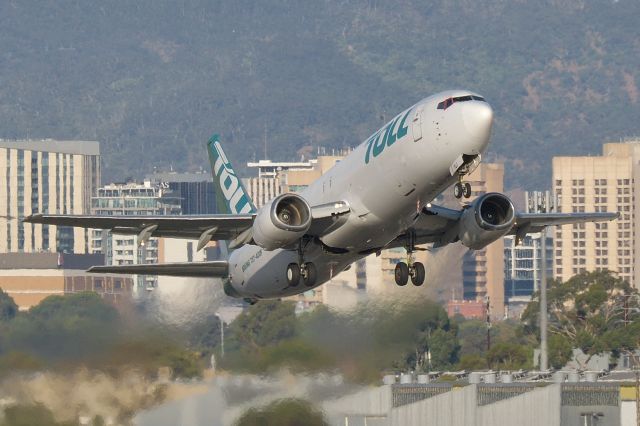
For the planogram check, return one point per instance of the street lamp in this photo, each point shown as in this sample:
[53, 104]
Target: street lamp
[221, 335]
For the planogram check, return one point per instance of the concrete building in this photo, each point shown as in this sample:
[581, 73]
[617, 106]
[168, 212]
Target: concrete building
[275, 178]
[483, 270]
[46, 176]
[31, 277]
[131, 199]
[495, 400]
[601, 184]
[470, 309]
[196, 191]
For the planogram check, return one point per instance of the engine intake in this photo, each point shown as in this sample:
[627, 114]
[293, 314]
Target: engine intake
[281, 222]
[488, 218]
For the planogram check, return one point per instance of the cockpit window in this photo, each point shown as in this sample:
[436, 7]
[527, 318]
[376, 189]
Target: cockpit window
[450, 101]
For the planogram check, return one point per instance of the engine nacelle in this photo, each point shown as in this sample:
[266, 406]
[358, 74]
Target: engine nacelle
[488, 218]
[281, 222]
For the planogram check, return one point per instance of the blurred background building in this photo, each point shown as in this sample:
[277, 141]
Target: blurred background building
[31, 277]
[195, 191]
[601, 184]
[131, 199]
[46, 176]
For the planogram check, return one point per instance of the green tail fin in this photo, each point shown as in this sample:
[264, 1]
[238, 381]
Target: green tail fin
[231, 195]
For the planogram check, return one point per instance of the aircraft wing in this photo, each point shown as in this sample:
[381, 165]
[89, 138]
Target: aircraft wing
[233, 227]
[217, 268]
[205, 228]
[534, 222]
[439, 225]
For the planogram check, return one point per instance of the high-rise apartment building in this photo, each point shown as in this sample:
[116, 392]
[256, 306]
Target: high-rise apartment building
[196, 191]
[131, 199]
[483, 270]
[46, 176]
[598, 184]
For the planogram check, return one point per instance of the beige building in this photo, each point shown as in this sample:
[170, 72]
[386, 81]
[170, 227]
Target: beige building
[483, 270]
[598, 184]
[275, 178]
[46, 176]
[29, 278]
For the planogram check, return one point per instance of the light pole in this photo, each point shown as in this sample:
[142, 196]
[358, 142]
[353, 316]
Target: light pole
[221, 335]
[544, 360]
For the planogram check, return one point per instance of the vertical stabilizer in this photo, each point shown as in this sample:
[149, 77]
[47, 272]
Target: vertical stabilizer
[231, 195]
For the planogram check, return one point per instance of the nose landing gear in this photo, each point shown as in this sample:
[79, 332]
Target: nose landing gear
[410, 269]
[463, 166]
[305, 270]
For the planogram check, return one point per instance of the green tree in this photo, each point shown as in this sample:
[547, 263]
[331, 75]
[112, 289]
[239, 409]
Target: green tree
[472, 335]
[593, 311]
[284, 412]
[472, 362]
[71, 326]
[205, 335]
[31, 415]
[508, 356]
[560, 351]
[264, 324]
[8, 307]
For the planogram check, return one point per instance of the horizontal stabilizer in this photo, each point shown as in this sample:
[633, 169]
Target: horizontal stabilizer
[212, 269]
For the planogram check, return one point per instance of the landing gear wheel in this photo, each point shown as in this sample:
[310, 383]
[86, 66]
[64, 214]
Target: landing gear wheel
[417, 278]
[458, 190]
[293, 274]
[402, 274]
[466, 190]
[310, 274]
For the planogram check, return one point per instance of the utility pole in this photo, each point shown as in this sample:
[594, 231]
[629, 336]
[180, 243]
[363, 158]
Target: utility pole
[221, 335]
[544, 360]
[637, 396]
[488, 325]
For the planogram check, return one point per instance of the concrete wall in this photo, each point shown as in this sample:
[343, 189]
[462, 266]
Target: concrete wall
[628, 413]
[540, 406]
[454, 408]
[373, 402]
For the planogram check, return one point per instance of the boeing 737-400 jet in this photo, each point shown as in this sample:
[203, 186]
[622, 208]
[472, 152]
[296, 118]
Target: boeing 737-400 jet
[376, 198]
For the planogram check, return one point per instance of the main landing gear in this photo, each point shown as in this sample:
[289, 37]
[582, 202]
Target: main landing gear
[410, 269]
[462, 189]
[305, 270]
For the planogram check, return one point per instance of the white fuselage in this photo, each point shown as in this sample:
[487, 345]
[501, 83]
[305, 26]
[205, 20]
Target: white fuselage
[386, 181]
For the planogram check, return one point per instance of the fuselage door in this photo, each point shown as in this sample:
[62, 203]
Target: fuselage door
[416, 125]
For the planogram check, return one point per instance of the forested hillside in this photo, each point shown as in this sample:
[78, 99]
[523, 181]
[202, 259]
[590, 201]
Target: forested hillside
[152, 79]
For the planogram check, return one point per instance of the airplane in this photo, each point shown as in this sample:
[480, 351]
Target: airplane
[378, 197]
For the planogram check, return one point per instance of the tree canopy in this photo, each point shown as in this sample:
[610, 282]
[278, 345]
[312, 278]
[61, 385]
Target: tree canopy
[593, 311]
[8, 307]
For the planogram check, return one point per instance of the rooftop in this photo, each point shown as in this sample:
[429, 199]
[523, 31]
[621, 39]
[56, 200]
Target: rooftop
[51, 145]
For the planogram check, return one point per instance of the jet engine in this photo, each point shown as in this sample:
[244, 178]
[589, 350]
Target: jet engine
[488, 218]
[281, 222]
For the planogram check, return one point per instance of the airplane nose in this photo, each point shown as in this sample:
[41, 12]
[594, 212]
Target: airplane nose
[478, 119]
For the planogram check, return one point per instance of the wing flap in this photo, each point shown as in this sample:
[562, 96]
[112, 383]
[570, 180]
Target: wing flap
[211, 269]
[534, 222]
[216, 227]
